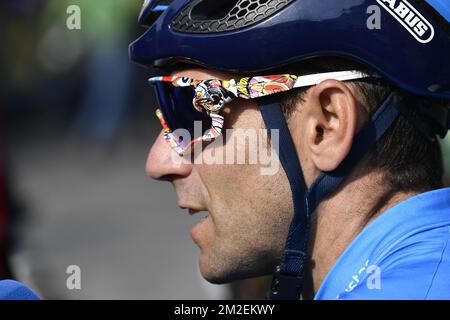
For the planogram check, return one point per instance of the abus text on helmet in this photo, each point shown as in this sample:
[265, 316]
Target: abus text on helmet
[410, 18]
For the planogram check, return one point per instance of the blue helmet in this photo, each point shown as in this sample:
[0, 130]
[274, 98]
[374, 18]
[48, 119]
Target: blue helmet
[405, 41]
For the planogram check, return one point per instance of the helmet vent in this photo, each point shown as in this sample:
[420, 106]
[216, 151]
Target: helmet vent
[212, 16]
[212, 9]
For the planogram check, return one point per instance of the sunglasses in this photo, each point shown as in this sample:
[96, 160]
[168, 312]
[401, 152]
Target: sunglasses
[187, 104]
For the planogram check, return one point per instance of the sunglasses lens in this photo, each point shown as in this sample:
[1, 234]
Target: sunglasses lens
[178, 109]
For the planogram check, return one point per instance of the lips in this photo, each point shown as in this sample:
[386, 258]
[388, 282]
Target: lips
[192, 211]
[199, 233]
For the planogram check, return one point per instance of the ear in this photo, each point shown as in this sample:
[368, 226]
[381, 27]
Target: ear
[331, 123]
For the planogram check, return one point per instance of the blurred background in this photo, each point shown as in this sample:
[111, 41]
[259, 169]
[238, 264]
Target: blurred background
[76, 123]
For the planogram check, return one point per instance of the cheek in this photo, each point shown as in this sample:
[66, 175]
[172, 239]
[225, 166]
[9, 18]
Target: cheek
[240, 196]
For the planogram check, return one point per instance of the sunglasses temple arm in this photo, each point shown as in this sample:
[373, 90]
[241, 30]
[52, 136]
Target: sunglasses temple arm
[314, 79]
[305, 81]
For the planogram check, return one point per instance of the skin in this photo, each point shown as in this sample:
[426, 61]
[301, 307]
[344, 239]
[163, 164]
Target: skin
[250, 213]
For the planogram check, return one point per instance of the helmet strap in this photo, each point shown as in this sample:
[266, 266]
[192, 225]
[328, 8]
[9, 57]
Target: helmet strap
[287, 283]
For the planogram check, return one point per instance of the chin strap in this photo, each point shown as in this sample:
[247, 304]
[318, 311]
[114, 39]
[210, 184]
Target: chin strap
[287, 283]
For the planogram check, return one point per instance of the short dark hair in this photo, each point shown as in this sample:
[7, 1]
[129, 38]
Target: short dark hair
[410, 160]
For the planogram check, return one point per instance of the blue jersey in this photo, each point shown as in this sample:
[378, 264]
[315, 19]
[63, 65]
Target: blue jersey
[403, 254]
[14, 290]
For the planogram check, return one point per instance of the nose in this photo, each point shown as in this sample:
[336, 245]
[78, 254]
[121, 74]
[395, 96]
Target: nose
[163, 162]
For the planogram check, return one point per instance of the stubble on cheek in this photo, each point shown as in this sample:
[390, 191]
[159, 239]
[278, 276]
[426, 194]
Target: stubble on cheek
[250, 217]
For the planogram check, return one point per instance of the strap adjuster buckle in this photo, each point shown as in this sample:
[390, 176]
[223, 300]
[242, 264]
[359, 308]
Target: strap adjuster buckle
[284, 286]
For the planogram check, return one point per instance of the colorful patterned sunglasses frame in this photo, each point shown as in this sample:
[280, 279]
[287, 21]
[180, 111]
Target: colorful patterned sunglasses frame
[211, 95]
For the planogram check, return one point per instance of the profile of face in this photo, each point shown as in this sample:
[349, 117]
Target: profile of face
[250, 213]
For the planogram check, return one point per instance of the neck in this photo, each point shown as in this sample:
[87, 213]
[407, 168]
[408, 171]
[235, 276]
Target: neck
[340, 218]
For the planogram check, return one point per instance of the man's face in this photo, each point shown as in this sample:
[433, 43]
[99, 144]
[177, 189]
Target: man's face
[249, 213]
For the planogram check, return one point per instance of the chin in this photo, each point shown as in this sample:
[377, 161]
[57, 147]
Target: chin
[222, 273]
[211, 273]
